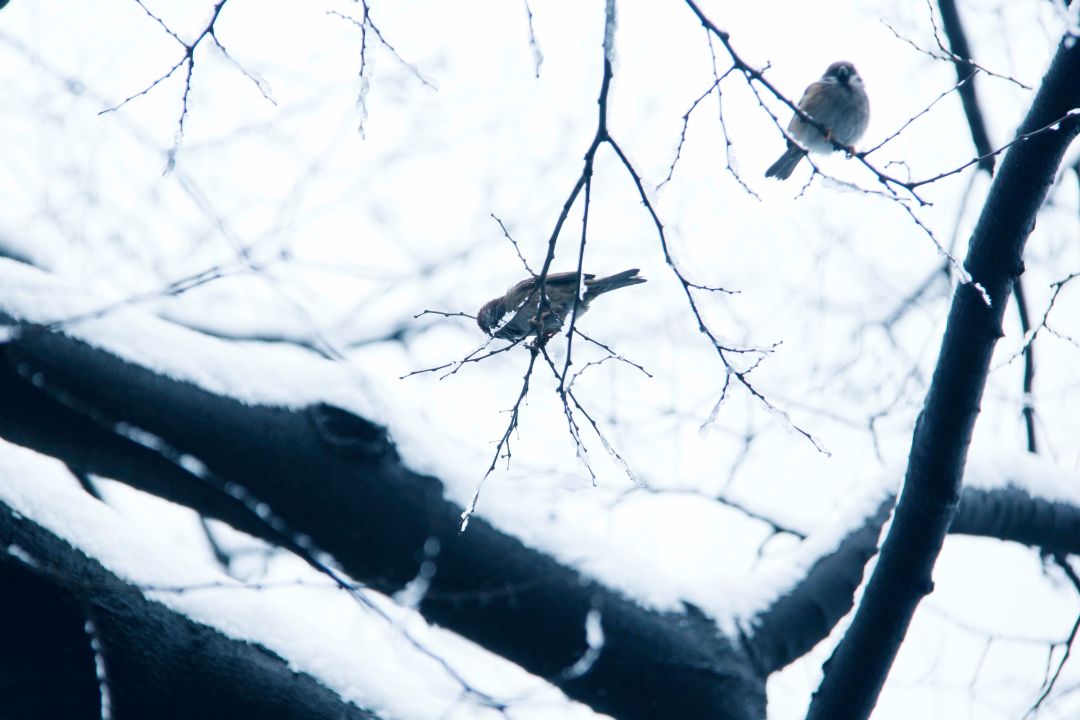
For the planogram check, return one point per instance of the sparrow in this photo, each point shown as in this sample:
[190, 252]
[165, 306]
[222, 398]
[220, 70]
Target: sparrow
[837, 101]
[523, 302]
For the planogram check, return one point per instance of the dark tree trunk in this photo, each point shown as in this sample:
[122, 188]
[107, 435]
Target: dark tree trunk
[857, 670]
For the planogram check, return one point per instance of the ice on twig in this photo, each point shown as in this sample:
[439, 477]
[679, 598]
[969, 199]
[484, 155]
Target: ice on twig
[609, 31]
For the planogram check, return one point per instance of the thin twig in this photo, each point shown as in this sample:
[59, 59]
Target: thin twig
[187, 61]
[1048, 685]
[611, 353]
[513, 242]
[948, 56]
[918, 115]
[538, 56]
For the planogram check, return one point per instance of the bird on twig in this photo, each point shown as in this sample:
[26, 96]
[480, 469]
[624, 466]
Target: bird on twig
[838, 102]
[520, 313]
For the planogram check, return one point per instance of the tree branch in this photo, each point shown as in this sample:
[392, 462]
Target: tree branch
[156, 662]
[374, 516]
[1029, 365]
[856, 672]
[807, 614]
[965, 70]
[803, 617]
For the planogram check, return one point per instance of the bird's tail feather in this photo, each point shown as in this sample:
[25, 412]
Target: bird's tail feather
[782, 168]
[612, 282]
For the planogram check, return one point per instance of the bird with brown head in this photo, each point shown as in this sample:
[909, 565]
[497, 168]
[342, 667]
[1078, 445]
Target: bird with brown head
[520, 313]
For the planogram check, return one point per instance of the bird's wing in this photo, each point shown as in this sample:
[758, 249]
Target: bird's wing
[563, 279]
[521, 289]
[557, 280]
[522, 299]
[815, 97]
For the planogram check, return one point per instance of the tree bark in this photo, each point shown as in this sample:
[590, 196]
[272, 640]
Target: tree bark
[156, 663]
[1013, 514]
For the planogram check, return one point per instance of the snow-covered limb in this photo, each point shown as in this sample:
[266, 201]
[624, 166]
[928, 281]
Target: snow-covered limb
[337, 478]
[160, 663]
[819, 595]
[1013, 513]
[375, 516]
[1016, 497]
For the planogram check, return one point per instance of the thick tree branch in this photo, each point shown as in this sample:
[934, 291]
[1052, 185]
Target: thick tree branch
[154, 662]
[965, 73]
[858, 668]
[800, 619]
[803, 617]
[337, 478]
[1012, 513]
[375, 516]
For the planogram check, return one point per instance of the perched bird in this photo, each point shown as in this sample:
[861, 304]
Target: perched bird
[514, 315]
[836, 101]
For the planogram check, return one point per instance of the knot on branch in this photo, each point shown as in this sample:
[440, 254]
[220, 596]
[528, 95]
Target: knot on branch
[350, 434]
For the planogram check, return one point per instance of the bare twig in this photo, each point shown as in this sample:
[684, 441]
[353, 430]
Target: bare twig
[1048, 684]
[173, 289]
[565, 392]
[443, 313]
[947, 55]
[472, 357]
[504, 442]
[1021, 137]
[685, 125]
[1033, 333]
[366, 24]
[513, 242]
[729, 147]
[919, 114]
[577, 295]
[611, 353]
[965, 69]
[722, 350]
[187, 62]
[538, 56]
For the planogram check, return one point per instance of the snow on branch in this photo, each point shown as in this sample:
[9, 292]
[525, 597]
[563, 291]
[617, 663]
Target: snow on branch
[135, 651]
